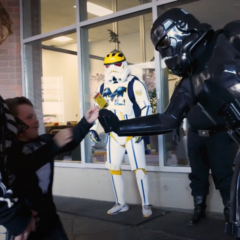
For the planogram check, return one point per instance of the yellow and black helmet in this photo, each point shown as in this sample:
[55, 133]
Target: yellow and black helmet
[114, 58]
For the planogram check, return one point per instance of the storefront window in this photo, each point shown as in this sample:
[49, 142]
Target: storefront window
[130, 37]
[52, 85]
[40, 16]
[51, 65]
[175, 151]
[97, 8]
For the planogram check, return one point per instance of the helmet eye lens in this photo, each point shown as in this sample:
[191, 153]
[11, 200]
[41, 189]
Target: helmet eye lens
[164, 43]
[118, 64]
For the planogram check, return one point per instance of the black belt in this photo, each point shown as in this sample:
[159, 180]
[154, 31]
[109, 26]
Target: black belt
[210, 132]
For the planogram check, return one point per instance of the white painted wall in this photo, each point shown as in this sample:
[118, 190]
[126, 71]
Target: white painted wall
[170, 190]
[64, 65]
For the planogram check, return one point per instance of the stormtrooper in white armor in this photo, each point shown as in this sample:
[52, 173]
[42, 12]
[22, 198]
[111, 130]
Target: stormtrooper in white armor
[128, 98]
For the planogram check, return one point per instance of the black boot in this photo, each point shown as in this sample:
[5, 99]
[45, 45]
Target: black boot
[199, 210]
[226, 210]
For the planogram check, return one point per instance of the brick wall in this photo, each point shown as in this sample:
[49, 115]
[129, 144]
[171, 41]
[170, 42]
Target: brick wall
[10, 55]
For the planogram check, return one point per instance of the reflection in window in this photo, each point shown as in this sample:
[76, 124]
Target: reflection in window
[97, 8]
[128, 36]
[52, 85]
[40, 16]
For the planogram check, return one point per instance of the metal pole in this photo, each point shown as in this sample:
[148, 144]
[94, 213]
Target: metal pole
[142, 38]
[115, 24]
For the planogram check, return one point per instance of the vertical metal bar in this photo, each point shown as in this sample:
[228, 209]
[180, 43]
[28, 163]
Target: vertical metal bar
[142, 38]
[80, 78]
[26, 52]
[81, 8]
[25, 14]
[158, 65]
[22, 48]
[115, 24]
[159, 92]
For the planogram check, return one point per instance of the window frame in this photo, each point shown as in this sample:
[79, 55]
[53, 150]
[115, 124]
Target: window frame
[78, 27]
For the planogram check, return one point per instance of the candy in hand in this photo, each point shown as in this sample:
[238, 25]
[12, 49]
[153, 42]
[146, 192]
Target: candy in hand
[99, 99]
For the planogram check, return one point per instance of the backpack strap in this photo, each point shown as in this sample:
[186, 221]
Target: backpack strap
[131, 95]
[137, 112]
[130, 89]
[101, 88]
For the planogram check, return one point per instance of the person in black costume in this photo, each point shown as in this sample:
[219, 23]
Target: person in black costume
[215, 152]
[209, 64]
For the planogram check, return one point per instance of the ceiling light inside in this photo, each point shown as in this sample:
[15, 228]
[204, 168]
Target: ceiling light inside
[62, 39]
[97, 10]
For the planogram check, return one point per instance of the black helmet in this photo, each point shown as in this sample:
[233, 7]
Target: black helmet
[175, 34]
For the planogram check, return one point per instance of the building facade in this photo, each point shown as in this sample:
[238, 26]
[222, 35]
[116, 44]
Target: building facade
[55, 58]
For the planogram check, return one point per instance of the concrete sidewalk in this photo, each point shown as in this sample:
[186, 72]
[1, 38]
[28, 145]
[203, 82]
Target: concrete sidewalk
[83, 228]
[85, 219]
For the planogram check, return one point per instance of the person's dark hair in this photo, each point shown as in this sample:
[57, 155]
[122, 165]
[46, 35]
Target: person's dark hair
[13, 103]
[5, 24]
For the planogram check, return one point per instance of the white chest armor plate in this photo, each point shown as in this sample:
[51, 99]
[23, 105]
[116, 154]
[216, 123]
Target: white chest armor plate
[118, 100]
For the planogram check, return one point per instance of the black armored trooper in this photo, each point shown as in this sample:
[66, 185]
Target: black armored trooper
[208, 94]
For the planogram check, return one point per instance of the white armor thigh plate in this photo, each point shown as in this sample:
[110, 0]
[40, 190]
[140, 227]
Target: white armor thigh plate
[136, 154]
[115, 152]
[120, 140]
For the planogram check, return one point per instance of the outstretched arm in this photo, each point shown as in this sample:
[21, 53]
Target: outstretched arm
[64, 141]
[95, 124]
[81, 129]
[180, 103]
[93, 130]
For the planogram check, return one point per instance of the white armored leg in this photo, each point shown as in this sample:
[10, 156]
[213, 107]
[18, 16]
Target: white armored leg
[115, 154]
[142, 181]
[118, 186]
[136, 153]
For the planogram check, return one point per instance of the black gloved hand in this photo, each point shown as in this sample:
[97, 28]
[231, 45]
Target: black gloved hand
[108, 120]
